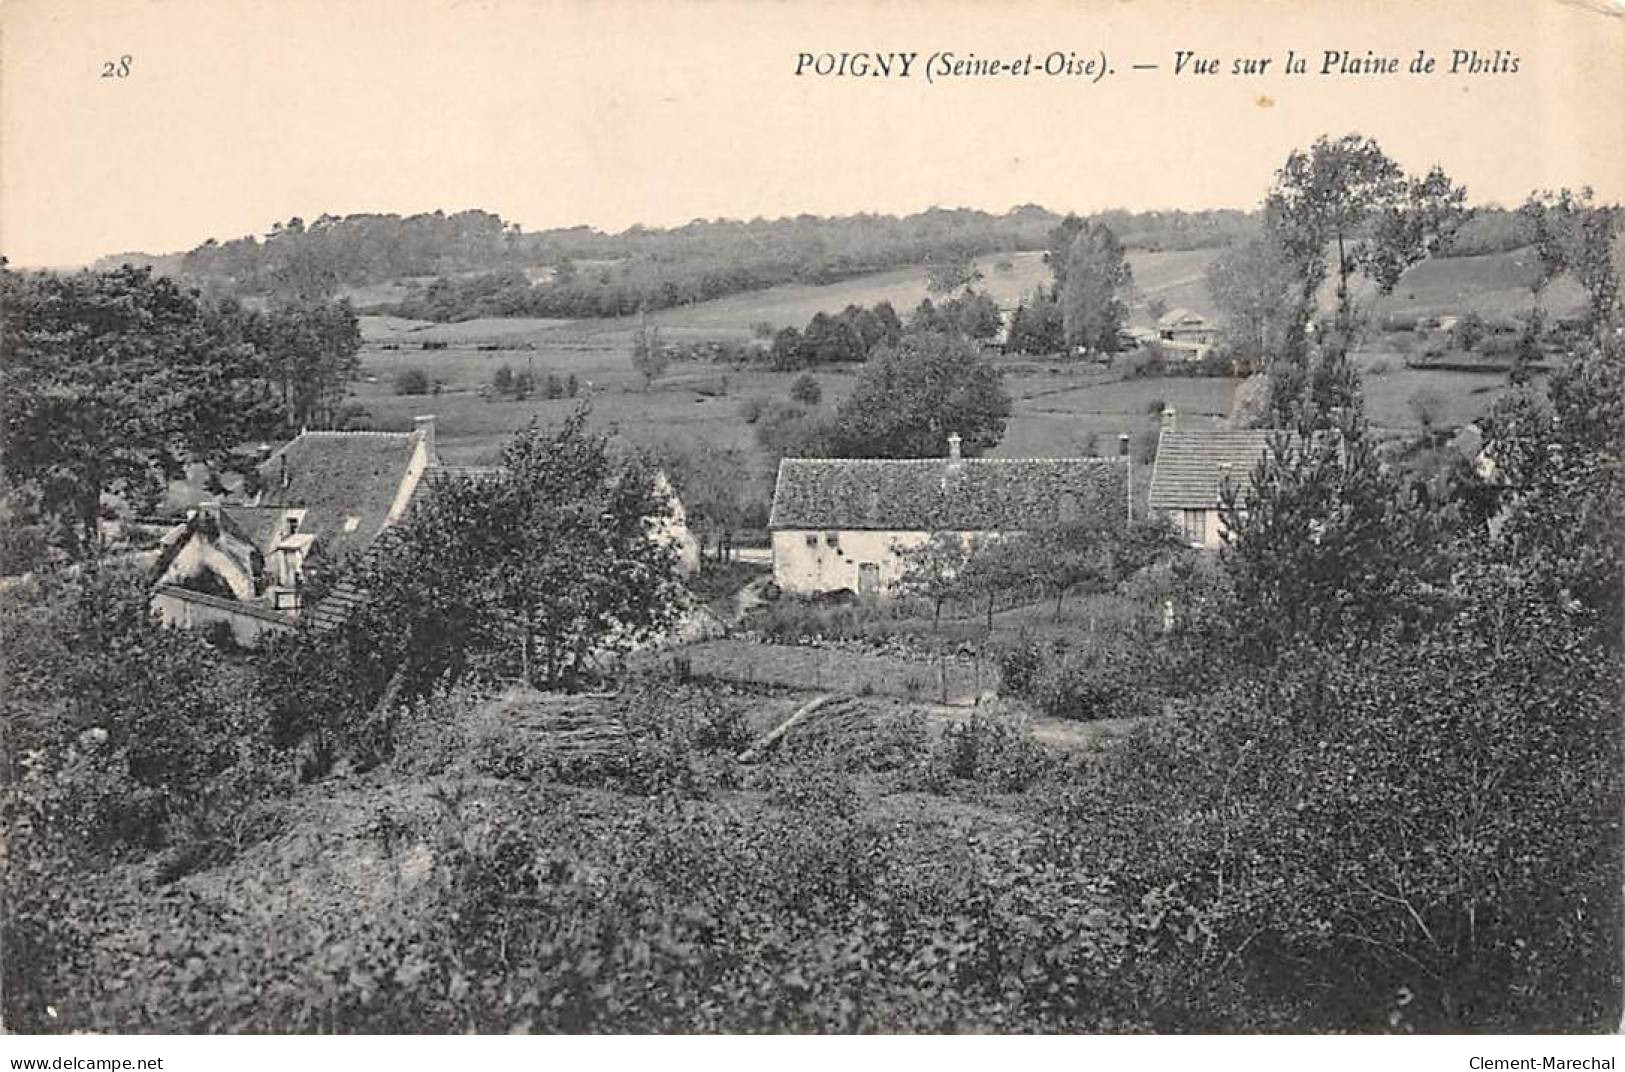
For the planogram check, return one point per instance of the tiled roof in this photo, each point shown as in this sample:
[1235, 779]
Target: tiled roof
[1191, 466]
[335, 609]
[336, 476]
[258, 525]
[934, 495]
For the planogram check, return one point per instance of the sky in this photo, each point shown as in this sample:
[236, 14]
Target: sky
[238, 113]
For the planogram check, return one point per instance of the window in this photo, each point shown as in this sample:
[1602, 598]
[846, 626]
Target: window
[1193, 525]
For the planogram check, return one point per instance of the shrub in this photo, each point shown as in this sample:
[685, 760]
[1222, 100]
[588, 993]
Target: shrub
[1107, 683]
[1019, 665]
[412, 381]
[992, 747]
[751, 408]
[805, 389]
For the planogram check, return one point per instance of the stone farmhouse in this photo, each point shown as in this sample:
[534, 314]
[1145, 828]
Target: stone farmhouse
[1191, 471]
[322, 495]
[843, 523]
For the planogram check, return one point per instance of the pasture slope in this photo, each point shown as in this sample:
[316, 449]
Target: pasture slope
[1059, 409]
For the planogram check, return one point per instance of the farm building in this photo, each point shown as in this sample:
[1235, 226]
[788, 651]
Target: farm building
[1182, 325]
[324, 494]
[1191, 471]
[843, 523]
[1185, 335]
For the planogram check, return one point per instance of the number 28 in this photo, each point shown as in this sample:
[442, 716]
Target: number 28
[119, 68]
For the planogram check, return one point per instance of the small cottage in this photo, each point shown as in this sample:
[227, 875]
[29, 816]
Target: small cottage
[843, 523]
[324, 494]
[1192, 469]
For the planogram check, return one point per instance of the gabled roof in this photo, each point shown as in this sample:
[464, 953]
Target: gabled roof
[936, 495]
[1191, 467]
[336, 476]
[1174, 318]
[258, 525]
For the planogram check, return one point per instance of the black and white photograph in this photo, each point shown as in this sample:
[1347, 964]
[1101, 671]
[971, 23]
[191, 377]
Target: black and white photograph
[1084, 518]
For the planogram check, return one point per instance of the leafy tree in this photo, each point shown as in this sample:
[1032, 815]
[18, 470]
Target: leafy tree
[715, 488]
[1037, 326]
[1571, 234]
[311, 348]
[830, 339]
[789, 352]
[911, 397]
[112, 382]
[1258, 295]
[973, 313]
[1058, 246]
[412, 381]
[935, 571]
[649, 355]
[998, 566]
[786, 430]
[1092, 313]
[805, 389]
[534, 570]
[1095, 554]
[1349, 195]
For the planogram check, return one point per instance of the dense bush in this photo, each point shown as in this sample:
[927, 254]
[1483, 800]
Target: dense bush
[806, 390]
[413, 381]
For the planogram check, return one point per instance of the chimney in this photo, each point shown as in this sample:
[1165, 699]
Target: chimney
[953, 447]
[1170, 419]
[1122, 445]
[424, 427]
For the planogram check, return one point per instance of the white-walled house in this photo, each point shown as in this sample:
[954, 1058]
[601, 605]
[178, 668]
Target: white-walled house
[1191, 471]
[842, 523]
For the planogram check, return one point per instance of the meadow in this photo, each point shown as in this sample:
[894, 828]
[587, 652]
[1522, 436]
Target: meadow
[1059, 408]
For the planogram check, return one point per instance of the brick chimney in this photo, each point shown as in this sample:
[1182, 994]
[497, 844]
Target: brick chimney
[424, 427]
[1170, 419]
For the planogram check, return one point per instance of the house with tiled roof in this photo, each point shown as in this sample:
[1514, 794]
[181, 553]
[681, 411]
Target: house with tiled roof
[322, 497]
[1191, 472]
[343, 599]
[324, 494]
[844, 523]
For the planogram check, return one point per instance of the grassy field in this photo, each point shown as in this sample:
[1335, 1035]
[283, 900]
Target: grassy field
[1059, 409]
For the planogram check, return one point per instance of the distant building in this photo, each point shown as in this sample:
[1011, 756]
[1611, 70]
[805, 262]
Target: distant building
[323, 495]
[1182, 325]
[843, 523]
[1186, 335]
[1191, 471]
